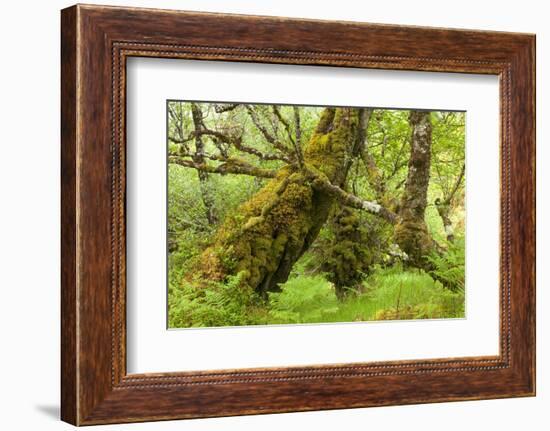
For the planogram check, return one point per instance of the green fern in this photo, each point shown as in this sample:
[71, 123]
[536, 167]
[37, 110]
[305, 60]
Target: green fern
[449, 267]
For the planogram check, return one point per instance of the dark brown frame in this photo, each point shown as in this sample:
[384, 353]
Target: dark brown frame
[95, 43]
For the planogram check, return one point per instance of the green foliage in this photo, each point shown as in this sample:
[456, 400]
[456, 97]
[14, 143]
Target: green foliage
[448, 149]
[188, 229]
[389, 144]
[449, 267]
[218, 304]
[304, 299]
[350, 255]
[412, 294]
[388, 294]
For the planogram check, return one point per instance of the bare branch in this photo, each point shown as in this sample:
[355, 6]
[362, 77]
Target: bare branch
[296, 138]
[177, 120]
[263, 156]
[221, 136]
[181, 140]
[268, 136]
[230, 166]
[225, 107]
[221, 148]
[284, 122]
[238, 144]
[218, 138]
[456, 185]
[398, 163]
[297, 127]
[184, 154]
[298, 141]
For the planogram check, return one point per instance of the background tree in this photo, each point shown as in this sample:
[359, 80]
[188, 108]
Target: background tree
[411, 232]
[449, 168]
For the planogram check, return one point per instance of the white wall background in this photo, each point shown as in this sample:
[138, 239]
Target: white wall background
[29, 215]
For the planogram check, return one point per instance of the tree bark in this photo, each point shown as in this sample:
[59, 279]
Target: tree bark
[444, 206]
[198, 158]
[444, 211]
[411, 232]
[268, 234]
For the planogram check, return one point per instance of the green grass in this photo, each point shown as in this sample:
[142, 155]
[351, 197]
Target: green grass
[388, 294]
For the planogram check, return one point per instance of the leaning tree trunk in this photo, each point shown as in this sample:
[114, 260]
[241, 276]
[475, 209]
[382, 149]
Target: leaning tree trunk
[267, 234]
[411, 233]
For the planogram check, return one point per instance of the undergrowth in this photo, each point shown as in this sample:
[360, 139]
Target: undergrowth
[387, 294]
[449, 266]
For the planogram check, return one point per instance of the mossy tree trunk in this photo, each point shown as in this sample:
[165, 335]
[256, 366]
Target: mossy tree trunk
[267, 234]
[411, 232]
[348, 255]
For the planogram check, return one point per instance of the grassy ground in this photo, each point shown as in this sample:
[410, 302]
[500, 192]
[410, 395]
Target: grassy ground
[388, 294]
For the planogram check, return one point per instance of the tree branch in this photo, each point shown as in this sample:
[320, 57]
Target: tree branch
[322, 183]
[177, 121]
[444, 207]
[181, 140]
[456, 185]
[285, 123]
[238, 144]
[297, 127]
[229, 166]
[181, 154]
[296, 143]
[268, 136]
[225, 107]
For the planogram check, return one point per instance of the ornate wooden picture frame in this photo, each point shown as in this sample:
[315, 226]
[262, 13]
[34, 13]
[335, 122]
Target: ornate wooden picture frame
[96, 41]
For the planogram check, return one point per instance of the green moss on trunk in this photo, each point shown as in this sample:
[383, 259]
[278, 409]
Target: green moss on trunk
[348, 257]
[268, 233]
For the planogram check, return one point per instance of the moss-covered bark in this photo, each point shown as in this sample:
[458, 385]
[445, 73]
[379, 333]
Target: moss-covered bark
[268, 233]
[348, 256]
[411, 233]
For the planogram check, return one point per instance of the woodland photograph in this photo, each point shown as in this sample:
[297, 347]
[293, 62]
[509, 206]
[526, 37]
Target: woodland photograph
[287, 214]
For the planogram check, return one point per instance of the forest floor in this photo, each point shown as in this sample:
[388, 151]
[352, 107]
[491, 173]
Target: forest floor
[387, 294]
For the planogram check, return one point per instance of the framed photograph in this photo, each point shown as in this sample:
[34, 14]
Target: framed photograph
[264, 215]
